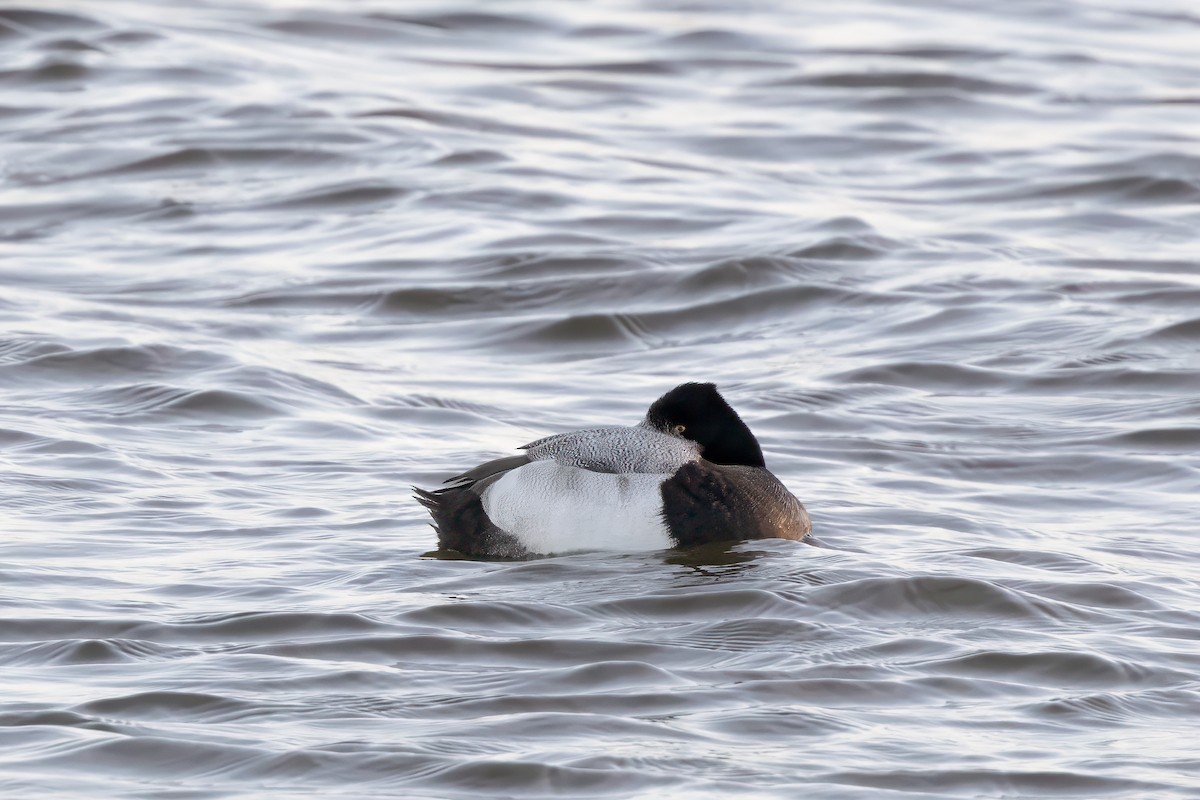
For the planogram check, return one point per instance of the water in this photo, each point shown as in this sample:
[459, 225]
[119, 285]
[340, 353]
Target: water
[268, 263]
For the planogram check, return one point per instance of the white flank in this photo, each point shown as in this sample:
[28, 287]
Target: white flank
[552, 508]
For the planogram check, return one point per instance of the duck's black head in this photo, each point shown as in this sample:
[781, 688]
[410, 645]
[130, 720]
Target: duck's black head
[697, 411]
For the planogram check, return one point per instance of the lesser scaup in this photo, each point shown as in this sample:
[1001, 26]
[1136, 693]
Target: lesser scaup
[690, 472]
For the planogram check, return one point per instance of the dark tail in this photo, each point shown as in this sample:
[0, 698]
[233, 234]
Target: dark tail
[463, 525]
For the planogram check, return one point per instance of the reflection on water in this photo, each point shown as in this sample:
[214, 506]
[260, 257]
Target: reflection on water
[717, 558]
[267, 264]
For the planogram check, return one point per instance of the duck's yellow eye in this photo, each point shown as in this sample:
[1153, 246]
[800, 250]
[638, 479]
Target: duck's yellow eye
[679, 429]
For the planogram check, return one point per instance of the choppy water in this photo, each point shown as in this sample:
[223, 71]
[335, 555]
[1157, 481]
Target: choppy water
[266, 264]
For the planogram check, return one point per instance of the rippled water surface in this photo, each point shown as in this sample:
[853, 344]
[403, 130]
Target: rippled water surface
[267, 263]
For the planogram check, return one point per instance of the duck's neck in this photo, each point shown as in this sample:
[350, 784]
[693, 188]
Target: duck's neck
[734, 444]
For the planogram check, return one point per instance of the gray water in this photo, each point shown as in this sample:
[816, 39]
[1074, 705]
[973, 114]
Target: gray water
[264, 264]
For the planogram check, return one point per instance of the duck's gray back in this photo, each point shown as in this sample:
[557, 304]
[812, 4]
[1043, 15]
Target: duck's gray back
[618, 449]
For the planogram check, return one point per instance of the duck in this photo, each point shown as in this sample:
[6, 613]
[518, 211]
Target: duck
[689, 473]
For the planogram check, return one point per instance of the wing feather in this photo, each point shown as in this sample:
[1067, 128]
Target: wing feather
[619, 450]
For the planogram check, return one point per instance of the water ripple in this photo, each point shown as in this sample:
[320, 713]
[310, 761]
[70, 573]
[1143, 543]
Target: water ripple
[266, 265]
